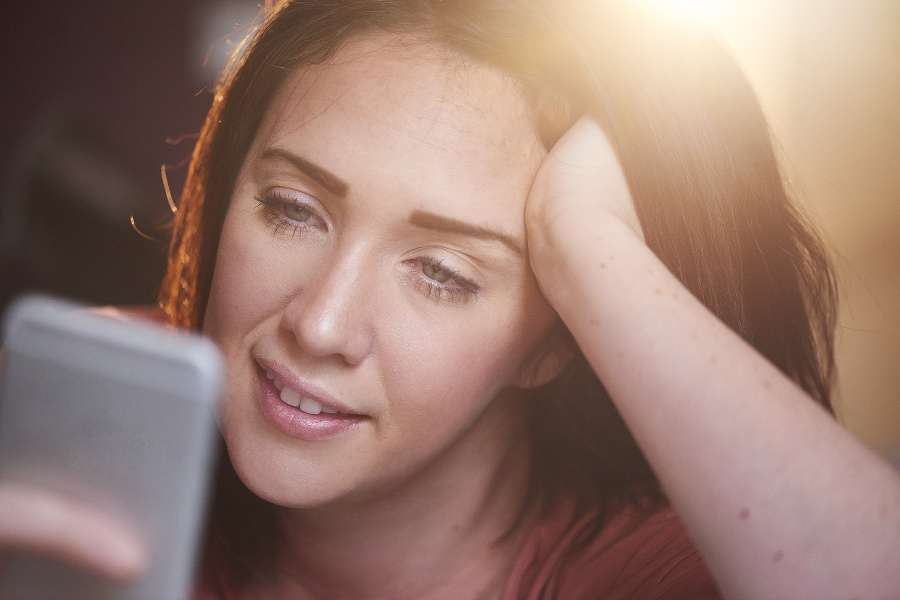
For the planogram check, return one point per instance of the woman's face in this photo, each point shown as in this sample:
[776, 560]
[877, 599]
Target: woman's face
[372, 293]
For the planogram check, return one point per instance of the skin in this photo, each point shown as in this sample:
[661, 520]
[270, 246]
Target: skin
[345, 295]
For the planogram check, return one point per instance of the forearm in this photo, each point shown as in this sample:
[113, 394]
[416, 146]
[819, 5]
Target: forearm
[781, 500]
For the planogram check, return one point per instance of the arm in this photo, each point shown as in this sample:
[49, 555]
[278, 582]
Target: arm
[780, 499]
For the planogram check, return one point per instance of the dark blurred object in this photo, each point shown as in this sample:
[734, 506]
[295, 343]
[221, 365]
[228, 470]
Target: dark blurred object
[90, 94]
[66, 213]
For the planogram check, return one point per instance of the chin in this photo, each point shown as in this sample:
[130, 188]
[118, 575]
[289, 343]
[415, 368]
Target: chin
[278, 479]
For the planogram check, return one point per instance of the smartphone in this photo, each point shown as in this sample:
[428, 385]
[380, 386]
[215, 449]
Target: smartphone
[117, 414]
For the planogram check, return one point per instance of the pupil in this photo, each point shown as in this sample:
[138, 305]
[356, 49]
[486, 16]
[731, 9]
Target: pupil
[297, 213]
[435, 272]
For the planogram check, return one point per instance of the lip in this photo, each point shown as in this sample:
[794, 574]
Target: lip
[294, 421]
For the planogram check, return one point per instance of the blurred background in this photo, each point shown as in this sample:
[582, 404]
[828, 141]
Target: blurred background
[828, 75]
[98, 96]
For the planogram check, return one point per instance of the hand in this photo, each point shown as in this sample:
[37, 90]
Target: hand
[579, 186]
[36, 521]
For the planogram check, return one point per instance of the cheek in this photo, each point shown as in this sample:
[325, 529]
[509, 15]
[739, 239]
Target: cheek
[465, 359]
[229, 312]
[242, 281]
[225, 296]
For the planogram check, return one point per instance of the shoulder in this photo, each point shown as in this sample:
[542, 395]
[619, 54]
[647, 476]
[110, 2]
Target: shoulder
[637, 554]
[215, 582]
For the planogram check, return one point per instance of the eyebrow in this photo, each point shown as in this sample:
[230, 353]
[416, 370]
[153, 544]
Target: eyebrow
[427, 220]
[328, 180]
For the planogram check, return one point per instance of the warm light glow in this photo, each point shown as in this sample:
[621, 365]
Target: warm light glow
[711, 12]
[761, 36]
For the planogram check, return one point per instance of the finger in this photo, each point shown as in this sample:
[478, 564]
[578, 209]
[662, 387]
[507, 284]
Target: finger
[38, 522]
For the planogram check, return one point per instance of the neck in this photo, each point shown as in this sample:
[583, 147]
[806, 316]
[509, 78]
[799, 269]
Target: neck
[450, 532]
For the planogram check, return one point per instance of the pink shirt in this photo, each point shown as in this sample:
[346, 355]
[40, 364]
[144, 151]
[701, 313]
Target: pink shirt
[637, 556]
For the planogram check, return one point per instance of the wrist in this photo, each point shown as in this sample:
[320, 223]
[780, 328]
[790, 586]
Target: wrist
[565, 253]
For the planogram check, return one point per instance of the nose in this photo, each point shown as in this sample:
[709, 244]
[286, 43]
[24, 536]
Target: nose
[329, 314]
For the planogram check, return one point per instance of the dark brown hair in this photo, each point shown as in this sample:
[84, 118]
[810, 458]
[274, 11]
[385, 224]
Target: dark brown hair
[693, 144]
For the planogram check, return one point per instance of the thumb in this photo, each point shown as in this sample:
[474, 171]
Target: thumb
[36, 521]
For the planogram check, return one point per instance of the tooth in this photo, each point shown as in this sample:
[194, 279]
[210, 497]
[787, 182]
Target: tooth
[289, 396]
[269, 375]
[310, 406]
[278, 384]
[329, 410]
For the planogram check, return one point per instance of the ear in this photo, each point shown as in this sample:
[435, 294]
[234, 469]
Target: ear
[552, 355]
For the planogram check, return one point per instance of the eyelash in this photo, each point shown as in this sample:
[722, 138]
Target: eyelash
[460, 289]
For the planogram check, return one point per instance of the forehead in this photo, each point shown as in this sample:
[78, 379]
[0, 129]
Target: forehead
[396, 105]
[421, 79]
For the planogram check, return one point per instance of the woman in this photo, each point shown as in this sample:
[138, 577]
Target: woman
[422, 233]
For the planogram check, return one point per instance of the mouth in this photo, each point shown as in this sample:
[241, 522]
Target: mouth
[300, 408]
[297, 393]
[294, 398]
